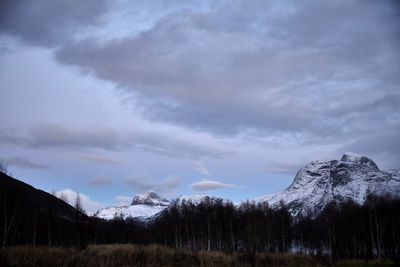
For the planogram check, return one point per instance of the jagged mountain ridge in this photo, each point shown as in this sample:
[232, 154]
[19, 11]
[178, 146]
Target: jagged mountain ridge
[150, 198]
[146, 206]
[314, 186]
[319, 182]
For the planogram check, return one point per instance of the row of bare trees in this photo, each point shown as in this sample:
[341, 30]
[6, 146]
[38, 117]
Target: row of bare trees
[342, 230]
[217, 225]
[349, 230]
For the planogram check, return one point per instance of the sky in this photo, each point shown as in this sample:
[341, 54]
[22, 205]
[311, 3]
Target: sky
[113, 98]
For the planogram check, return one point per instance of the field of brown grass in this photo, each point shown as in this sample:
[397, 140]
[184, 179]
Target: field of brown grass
[155, 255]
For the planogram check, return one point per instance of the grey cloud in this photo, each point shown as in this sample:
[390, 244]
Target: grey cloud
[9, 135]
[381, 105]
[201, 168]
[23, 162]
[57, 136]
[274, 68]
[386, 141]
[99, 159]
[101, 181]
[48, 23]
[209, 185]
[284, 168]
[143, 183]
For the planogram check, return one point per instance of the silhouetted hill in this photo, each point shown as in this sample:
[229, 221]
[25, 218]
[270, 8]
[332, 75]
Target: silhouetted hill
[26, 196]
[29, 216]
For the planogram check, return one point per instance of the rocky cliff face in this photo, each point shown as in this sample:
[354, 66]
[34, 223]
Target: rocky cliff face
[319, 182]
[150, 198]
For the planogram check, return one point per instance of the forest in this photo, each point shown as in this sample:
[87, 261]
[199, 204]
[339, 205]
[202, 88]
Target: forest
[342, 230]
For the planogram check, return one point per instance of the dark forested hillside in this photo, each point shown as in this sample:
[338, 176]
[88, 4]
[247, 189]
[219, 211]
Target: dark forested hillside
[34, 217]
[25, 196]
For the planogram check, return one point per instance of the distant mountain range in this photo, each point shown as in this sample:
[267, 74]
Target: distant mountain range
[315, 185]
[146, 206]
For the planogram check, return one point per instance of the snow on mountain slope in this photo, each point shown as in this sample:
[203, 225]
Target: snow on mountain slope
[320, 182]
[150, 198]
[110, 212]
[140, 211]
[196, 198]
[143, 207]
[148, 205]
[315, 185]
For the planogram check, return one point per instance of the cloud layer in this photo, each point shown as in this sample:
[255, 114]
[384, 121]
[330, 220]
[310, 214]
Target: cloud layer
[49, 23]
[229, 88]
[99, 159]
[259, 66]
[167, 187]
[319, 72]
[209, 185]
[101, 181]
[23, 162]
[58, 136]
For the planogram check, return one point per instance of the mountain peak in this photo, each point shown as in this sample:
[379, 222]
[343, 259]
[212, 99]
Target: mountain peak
[150, 198]
[359, 159]
[319, 182]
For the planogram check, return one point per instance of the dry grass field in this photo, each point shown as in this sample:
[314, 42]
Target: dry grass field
[156, 255]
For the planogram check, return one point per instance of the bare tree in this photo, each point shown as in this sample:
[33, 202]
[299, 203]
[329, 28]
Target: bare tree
[9, 217]
[78, 204]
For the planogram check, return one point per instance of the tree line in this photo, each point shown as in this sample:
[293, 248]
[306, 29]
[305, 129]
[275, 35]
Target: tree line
[215, 224]
[343, 229]
[348, 230]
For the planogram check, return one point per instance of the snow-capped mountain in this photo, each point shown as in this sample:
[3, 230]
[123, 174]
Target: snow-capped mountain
[146, 206]
[143, 207]
[150, 198]
[315, 185]
[320, 182]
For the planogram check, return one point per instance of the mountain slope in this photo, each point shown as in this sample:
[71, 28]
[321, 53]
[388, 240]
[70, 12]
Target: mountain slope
[146, 206]
[150, 198]
[26, 197]
[143, 207]
[197, 198]
[319, 182]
